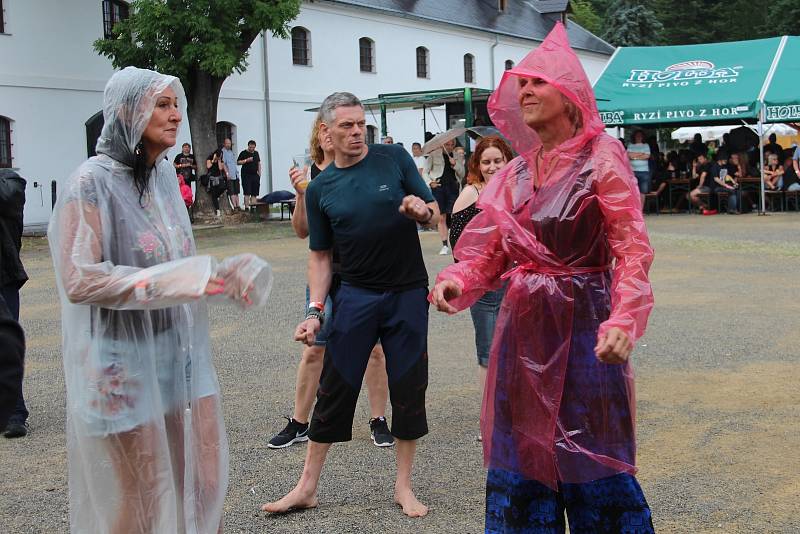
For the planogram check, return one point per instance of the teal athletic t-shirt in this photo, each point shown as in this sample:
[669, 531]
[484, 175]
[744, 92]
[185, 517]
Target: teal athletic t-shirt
[357, 207]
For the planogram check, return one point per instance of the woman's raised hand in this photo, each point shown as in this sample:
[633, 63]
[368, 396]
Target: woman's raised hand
[443, 292]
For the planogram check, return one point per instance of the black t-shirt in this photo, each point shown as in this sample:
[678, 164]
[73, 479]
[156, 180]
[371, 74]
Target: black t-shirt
[357, 207]
[336, 262]
[789, 177]
[215, 169]
[186, 172]
[705, 168]
[250, 168]
[448, 179]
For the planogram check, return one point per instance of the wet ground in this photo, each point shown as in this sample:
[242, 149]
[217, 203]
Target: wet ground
[717, 378]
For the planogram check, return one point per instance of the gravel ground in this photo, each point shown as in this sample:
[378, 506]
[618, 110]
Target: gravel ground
[717, 395]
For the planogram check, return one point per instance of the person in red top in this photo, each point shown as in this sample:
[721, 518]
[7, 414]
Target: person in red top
[562, 224]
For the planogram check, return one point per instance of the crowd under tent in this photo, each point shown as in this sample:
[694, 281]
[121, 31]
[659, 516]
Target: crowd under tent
[735, 83]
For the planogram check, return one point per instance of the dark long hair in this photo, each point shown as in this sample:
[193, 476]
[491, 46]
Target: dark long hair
[141, 172]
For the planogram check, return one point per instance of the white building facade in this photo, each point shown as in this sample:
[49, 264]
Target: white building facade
[51, 80]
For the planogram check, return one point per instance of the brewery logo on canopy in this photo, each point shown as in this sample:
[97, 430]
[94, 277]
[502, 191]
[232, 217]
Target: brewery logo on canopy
[683, 74]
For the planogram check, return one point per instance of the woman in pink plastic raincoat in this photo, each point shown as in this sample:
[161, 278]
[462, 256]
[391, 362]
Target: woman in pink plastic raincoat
[562, 224]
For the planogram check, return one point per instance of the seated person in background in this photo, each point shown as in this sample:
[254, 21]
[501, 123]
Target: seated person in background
[723, 176]
[773, 147]
[791, 182]
[701, 171]
[773, 173]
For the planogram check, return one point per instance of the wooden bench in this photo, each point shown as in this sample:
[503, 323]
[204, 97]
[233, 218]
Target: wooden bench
[263, 208]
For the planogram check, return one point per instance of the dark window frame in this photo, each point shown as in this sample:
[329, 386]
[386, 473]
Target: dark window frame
[114, 11]
[509, 64]
[6, 146]
[366, 54]
[371, 134]
[469, 68]
[423, 62]
[224, 130]
[301, 46]
[2, 18]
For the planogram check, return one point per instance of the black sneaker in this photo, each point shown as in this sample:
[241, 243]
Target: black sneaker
[16, 430]
[379, 430]
[295, 432]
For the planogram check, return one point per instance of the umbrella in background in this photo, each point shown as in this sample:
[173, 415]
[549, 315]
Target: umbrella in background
[476, 132]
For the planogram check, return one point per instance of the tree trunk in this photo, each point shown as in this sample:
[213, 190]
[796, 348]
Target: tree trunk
[202, 95]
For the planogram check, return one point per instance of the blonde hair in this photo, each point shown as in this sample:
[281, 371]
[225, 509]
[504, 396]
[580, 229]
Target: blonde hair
[315, 149]
[573, 113]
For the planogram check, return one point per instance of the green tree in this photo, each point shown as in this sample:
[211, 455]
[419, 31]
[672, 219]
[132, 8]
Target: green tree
[628, 23]
[584, 14]
[783, 18]
[202, 42]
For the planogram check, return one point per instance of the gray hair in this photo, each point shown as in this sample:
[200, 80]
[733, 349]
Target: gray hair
[336, 100]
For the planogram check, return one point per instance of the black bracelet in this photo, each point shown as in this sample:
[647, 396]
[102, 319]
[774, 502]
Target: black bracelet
[316, 314]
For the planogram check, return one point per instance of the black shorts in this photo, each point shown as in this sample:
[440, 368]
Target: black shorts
[445, 197]
[233, 187]
[251, 185]
[400, 321]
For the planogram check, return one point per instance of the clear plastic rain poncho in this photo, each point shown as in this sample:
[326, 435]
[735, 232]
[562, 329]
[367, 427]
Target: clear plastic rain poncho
[576, 256]
[145, 436]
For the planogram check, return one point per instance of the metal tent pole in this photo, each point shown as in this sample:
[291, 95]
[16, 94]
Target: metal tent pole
[763, 210]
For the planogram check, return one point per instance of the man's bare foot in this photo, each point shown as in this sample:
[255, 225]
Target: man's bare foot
[411, 506]
[297, 499]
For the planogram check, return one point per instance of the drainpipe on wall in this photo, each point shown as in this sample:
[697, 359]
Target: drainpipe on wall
[267, 125]
[491, 53]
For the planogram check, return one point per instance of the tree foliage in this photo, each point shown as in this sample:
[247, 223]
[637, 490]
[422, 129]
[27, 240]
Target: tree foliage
[180, 37]
[584, 14]
[629, 23]
[202, 42]
[704, 21]
[783, 17]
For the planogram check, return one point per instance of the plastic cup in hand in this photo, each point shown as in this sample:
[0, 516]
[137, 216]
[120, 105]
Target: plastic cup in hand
[302, 161]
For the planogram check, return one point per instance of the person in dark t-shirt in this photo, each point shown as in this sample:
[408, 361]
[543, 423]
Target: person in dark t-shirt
[251, 174]
[185, 164]
[369, 201]
[217, 183]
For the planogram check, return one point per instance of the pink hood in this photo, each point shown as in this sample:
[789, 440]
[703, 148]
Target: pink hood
[554, 62]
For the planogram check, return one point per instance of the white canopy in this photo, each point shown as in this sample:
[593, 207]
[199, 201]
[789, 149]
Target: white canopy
[714, 133]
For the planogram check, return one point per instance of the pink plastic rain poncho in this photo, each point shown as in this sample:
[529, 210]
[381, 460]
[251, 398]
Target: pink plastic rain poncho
[145, 437]
[551, 411]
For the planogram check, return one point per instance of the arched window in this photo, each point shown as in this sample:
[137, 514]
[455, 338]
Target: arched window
[372, 134]
[226, 130]
[5, 143]
[93, 128]
[422, 62]
[366, 54]
[469, 68]
[509, 64]
[301, 46]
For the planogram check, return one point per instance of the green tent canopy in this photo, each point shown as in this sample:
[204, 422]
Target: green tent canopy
[782, 99]
[689, 84]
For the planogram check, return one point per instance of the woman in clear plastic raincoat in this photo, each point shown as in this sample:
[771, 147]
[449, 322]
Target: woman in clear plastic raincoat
[145, 437]
[562, 223]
